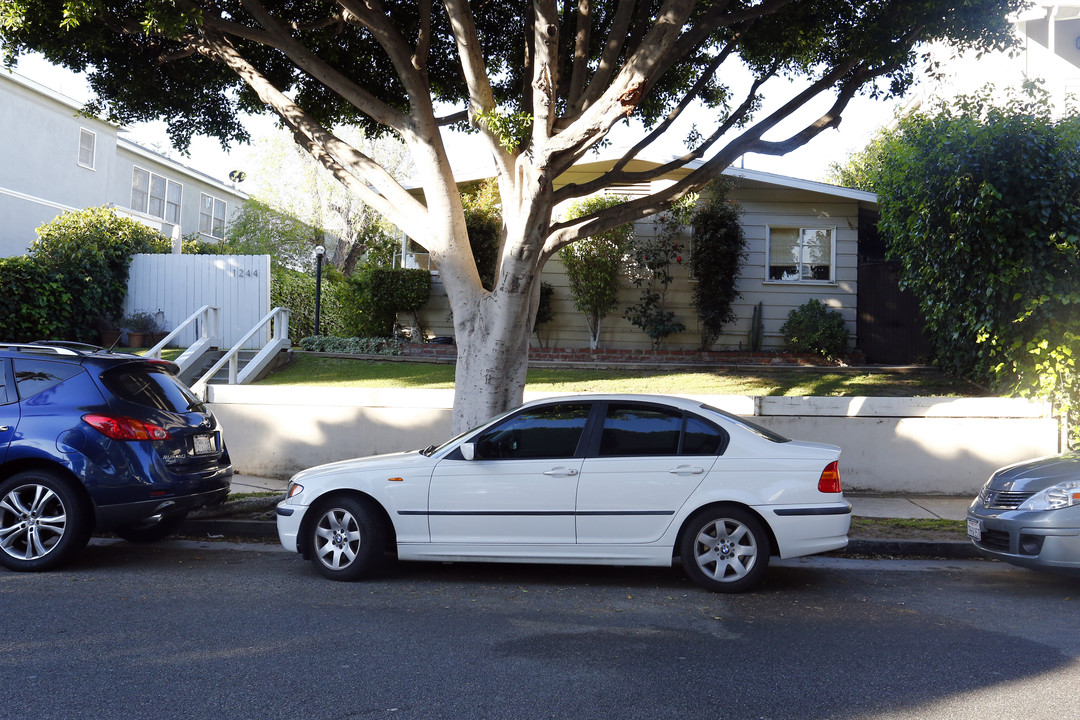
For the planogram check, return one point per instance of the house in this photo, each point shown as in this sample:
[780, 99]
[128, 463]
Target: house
[803, 242]
[54, 159]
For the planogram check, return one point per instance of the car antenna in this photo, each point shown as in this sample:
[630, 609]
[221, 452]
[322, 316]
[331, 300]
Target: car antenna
[114, 342]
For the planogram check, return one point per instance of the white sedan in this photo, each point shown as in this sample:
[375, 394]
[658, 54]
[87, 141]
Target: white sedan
[600, 479]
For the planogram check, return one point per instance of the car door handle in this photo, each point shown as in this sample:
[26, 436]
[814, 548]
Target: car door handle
[687, 470]
[4, 428]
[561, 472]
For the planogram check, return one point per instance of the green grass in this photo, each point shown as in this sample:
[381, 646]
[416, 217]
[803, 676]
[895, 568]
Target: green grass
[309, 370]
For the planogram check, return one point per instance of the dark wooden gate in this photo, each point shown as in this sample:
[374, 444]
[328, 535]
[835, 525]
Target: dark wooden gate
[890, 327]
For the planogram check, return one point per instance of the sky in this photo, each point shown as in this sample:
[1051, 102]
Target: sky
[811, 162]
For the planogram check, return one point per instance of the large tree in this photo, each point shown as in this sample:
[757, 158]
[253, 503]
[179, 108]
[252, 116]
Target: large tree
[541, 82]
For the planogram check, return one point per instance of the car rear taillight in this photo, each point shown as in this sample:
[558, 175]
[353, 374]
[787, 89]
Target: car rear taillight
[829, 482]
[125, 428]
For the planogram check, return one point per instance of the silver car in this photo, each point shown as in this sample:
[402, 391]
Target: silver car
[1029, 514]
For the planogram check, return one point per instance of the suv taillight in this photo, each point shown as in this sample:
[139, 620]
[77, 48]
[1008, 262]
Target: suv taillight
[125, 428]
[829, 482]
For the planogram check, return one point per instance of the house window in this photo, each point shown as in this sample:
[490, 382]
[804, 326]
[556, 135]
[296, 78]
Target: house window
[156, 196]
[801, 254]
[212, 216]
[87, 147]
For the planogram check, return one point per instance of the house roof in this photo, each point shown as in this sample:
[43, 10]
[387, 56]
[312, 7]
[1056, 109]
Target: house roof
[587, 170]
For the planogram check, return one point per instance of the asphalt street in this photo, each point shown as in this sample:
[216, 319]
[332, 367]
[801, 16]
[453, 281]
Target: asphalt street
[213, 630]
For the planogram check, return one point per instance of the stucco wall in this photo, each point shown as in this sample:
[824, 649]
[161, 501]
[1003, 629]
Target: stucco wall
[890, 445]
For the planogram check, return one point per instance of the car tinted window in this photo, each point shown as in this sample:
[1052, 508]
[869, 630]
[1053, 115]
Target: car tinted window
[33, 376]
[147, 385]
[701, 438]
[550, 431]
[640, 430]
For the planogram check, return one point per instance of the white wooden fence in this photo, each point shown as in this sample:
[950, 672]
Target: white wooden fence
[178, 285]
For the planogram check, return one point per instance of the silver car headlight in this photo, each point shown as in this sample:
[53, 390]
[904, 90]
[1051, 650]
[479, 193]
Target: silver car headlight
[1063, 495]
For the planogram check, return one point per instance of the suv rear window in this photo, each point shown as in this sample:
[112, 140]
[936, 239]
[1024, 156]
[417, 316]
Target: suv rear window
[33, 376]
[149, 386]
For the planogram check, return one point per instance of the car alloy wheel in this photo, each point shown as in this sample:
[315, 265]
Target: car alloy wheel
[41, 524]
[725, 549]
[347, 539]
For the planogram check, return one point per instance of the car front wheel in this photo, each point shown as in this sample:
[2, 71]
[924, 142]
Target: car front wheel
[42, 521]
[347, 538]
[725, 549]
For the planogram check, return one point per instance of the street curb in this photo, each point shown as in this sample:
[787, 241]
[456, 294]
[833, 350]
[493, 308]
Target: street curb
[951, 549]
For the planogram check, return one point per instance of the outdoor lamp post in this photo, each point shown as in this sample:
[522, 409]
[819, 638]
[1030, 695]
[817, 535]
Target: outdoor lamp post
[320, 251]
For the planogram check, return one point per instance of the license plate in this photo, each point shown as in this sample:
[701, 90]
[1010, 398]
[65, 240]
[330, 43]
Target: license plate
[205, 445]
[975, 529]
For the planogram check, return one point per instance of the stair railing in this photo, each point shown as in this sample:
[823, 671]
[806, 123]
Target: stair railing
[207, 321]
[278, 322]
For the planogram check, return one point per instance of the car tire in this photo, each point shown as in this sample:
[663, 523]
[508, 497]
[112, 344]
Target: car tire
[725, 549]
[44, 522]
[347, 538]
[152, 530]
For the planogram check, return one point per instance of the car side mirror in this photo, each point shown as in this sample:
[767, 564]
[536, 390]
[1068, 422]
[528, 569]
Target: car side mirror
[468, 450]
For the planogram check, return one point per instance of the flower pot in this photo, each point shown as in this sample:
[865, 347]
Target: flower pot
[135, 339]
[109, 338]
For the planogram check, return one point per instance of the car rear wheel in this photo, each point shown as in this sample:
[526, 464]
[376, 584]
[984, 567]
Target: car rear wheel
[152, 529]
[725, 549]
[347, 538]
[43, 521]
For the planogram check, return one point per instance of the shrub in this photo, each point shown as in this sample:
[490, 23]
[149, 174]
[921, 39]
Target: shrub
[89, 253]
[352, 345]
[814, 328]
[33, 302]
[375, 295]
[296, 291]
[719, 249]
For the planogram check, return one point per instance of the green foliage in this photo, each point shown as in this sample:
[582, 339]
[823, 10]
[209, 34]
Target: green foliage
[511, 128]
[544, 311]
[814, 328]
[862, 169]
[483, 218]
[296, 291]
[258, 229]
[352, 345]
[376, 295]
[980, 204]
[89, 253]
[649, 266]
[33, 302]
[719, 249]
[594, 265]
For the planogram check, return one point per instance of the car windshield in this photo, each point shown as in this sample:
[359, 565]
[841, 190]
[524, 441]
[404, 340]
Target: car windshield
[432, 450]
[147, 385]
[752, 427]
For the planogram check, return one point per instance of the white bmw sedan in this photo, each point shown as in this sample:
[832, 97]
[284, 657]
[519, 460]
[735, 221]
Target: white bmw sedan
[601, 479]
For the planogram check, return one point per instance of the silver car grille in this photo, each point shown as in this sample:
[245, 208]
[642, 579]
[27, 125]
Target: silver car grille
[1003, 500]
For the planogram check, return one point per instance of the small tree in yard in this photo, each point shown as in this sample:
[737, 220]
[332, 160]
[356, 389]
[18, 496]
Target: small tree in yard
[540, 83]
[594, 265]
[649, 267]
[719, 250]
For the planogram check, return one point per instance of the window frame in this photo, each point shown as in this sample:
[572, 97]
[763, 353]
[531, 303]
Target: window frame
[170, 211]
[801, 279]
[87, 133]
[600, 414]
[212, 216]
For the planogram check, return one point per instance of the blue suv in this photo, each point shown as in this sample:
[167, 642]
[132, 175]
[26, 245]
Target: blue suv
[92, 440]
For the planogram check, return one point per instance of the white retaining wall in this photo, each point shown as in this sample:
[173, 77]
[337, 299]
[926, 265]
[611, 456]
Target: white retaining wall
[890, 445]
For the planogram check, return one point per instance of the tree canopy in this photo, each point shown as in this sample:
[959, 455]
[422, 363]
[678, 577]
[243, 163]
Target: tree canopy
[541, 83]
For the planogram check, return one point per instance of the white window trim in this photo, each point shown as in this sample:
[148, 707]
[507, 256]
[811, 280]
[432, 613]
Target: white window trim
[165, 200]
[224, 219]
[93, 150]
[800, 280]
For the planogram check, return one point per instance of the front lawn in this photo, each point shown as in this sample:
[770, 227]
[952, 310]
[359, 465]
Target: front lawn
[343, 372]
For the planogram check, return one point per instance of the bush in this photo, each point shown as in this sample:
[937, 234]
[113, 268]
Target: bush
[296, 291]
[89, 253]
[375, 296]
[814, 328]
[352, 345]
[718, 254]
[33, 302]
